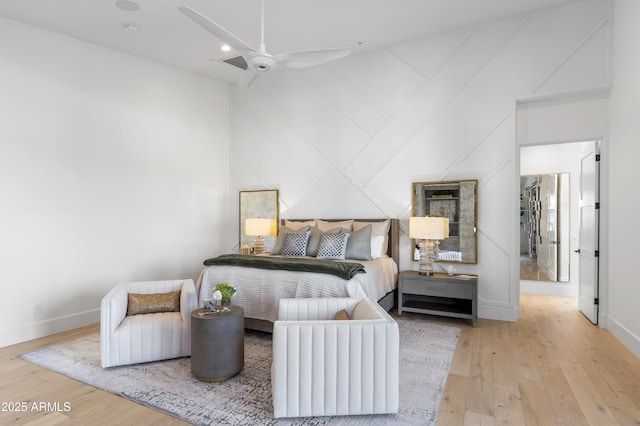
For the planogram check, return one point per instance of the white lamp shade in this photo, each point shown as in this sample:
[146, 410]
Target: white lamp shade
[429, 228]
[257, 226]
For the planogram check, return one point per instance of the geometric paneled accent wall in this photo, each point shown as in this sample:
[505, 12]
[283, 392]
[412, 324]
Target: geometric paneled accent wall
[347, 139]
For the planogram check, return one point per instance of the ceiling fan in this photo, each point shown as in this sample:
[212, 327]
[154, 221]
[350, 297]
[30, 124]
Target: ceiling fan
[256, 62]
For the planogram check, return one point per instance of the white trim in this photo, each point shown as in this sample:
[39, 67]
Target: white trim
[39, 329]
[622, 333]
[501, 313]
[548, 288]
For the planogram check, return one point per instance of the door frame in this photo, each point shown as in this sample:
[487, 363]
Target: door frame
[603, 223]
[547, 119]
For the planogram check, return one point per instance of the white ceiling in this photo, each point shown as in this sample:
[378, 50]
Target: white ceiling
[167, 36]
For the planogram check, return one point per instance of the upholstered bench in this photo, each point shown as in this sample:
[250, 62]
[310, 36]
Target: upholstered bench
[325, 367]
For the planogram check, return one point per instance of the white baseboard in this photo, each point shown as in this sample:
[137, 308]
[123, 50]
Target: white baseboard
[500, 313]
[548, 288]
[44, 328]
[622, 333]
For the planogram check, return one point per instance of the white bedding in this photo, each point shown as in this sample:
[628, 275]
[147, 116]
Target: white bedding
[450, 255]
[259, 290]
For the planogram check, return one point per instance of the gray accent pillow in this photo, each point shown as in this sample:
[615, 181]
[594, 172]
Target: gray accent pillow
[333, 246]
[282, 233]
[295, 243]
[359, 244]
[314, 241]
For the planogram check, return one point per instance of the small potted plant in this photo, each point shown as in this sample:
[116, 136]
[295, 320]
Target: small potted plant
[224, 291]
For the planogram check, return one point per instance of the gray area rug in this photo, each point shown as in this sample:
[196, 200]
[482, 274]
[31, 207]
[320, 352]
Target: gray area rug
[426, 351]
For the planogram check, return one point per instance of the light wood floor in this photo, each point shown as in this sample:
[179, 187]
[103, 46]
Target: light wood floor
[551, 367]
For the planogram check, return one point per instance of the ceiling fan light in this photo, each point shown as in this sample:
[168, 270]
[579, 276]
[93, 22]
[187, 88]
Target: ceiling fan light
[127, 5]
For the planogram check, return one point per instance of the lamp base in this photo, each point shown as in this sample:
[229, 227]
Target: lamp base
[428, 253]
[258, 245]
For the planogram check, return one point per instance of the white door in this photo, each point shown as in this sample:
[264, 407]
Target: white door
[589, 217]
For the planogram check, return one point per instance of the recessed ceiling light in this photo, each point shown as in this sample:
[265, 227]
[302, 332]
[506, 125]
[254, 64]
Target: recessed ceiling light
[127, 5]
[225, 48]
[130, 28]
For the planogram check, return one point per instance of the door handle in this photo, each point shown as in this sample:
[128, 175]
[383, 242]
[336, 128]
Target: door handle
[577, 251]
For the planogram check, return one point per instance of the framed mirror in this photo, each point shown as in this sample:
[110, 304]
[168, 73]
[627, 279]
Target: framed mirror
[258, 204]
[457, 201]
[544, 227]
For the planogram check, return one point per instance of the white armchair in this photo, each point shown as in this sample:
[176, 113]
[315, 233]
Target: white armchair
[145, 337]
[326, 367]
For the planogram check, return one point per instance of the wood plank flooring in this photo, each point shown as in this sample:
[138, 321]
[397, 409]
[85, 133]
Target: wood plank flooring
[551, 367]
[22, 384]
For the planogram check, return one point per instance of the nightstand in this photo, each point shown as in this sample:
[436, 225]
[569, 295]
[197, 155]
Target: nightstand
[439, 294]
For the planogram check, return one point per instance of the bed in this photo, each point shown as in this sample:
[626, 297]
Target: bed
[259, 290]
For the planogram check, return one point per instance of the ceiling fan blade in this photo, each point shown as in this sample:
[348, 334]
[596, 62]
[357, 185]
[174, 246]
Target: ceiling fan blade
[216, 29]
[311, 57]
[236, 61]
[247, 77]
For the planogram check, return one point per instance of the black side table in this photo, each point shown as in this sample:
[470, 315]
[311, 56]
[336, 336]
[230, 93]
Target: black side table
[217, 344]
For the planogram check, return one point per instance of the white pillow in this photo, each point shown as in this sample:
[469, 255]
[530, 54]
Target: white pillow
[378, 247]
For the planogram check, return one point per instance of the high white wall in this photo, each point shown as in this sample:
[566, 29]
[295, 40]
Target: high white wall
[348, 138]
[112, 169]
[621, 304]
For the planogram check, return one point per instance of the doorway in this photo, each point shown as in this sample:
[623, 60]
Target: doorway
[555, 128]
[538, 231]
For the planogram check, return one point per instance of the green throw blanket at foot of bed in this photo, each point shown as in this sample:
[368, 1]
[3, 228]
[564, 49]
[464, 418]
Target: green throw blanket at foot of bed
[344, 270]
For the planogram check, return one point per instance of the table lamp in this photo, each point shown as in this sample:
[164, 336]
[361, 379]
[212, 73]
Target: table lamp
[258, 228]
[429, 230]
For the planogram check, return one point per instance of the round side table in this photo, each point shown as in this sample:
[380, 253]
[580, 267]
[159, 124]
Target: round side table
[217, 344]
